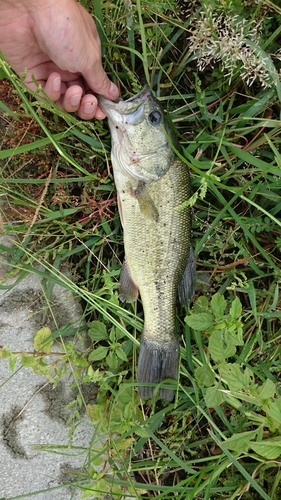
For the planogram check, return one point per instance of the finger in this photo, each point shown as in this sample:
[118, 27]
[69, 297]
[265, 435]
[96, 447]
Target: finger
[91, 66]
[79, 81]
[88, 107]
[72, 99]
[54, 86]
[45, 69]
[99, 83]
[99, 114]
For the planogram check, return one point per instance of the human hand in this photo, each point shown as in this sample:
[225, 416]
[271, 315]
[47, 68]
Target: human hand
[59, 46]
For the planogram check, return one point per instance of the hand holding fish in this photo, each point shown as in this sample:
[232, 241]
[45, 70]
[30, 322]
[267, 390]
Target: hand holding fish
[58, 45]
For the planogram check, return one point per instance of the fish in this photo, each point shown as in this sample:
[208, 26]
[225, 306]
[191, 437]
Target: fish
[152, 182]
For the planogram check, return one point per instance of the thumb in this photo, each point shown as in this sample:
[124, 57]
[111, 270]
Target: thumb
[99, 83]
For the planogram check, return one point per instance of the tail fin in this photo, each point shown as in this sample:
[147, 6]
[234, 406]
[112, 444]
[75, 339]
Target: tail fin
[156, 363]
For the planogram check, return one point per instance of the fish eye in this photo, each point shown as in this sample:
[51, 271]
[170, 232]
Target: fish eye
[155, 117]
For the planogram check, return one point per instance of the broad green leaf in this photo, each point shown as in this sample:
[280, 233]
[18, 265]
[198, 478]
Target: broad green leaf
[236, 332]
[125, 393]
[119, 334]
[221, 346]
[241, 441]
[214, 396]
[29, 360]
[249, 398]
[12, 363]
[121, 354]
[141, 431]
[204, 376]
[201, 304]
[96, 412]
[97, 331]
[269, 449]
[236, 309]
[112, 334]
[218, 305]
[5, 353]
[96, 490]
[125, 444]
[39, 341]
[236, 378]
[112, 360]
[94, 375]
[275, 410]
[97, 460]
[267, 390]
[98, 353]
[201, 321]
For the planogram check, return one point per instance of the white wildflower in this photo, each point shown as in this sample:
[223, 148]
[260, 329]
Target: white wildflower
[232, 41]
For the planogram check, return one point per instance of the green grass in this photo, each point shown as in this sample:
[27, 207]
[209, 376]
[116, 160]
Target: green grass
[221, 437]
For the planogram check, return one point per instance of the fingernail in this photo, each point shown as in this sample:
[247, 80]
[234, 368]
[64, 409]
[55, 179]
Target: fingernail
[113, 91]
[75, 99]
[88, 108]
[57, 84]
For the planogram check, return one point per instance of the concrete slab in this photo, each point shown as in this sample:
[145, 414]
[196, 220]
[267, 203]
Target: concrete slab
[31, 411]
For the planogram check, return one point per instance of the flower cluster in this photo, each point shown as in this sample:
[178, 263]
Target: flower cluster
[232, 41]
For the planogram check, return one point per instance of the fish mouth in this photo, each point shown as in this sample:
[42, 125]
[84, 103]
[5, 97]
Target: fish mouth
[140, 97]
[124, 107]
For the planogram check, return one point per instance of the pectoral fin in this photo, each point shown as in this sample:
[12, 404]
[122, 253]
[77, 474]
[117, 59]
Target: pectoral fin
[187, 283]
[128, 289]
[146, 203]
[147, 207]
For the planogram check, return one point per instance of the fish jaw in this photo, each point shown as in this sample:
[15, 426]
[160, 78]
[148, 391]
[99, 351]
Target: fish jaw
[124, 107]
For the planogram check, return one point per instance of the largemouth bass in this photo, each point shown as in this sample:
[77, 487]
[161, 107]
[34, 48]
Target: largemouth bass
[151, 182]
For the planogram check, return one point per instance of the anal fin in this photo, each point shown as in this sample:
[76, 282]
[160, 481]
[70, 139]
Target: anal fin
[186, 286]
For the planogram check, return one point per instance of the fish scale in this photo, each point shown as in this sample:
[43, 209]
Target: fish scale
[151, 183]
